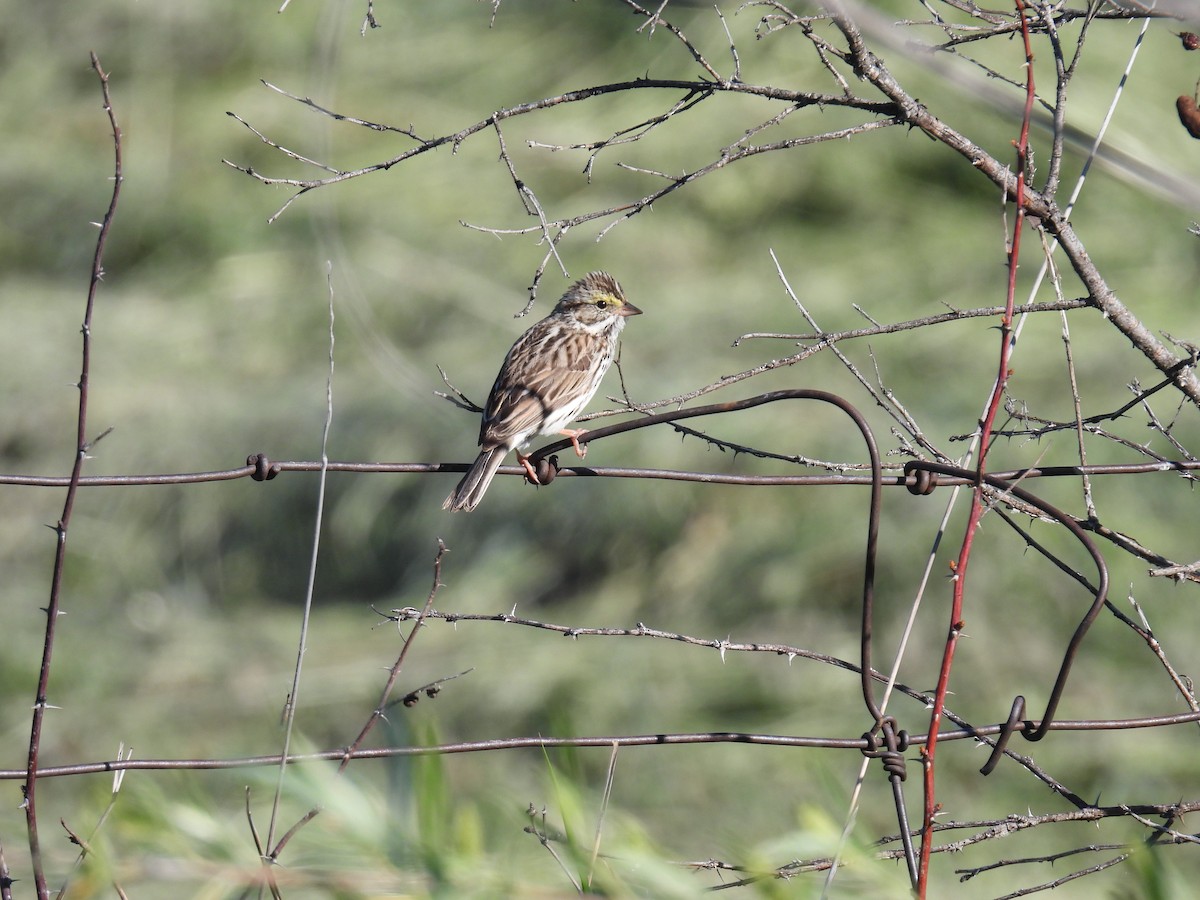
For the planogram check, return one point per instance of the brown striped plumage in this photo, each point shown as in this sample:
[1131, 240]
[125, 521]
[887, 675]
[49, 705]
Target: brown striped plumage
[548, 377]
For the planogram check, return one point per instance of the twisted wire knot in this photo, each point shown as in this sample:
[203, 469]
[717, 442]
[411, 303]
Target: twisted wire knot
[887, 744]
[546, 469]
[264, 469]
[923, 481]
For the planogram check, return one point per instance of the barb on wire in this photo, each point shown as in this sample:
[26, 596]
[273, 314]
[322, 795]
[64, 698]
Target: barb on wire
[848, 61]
[605, 742]
[262, 468]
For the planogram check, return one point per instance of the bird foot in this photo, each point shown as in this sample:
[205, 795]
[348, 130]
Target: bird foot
[530, 472]
[575, 434]
[543, 473]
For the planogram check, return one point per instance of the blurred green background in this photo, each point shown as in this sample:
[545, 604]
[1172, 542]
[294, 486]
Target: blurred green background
[210, 343]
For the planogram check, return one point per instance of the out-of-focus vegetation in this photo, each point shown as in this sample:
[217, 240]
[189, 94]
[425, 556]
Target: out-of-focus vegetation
[210, 343]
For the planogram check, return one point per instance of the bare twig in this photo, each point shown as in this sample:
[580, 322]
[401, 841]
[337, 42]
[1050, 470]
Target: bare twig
[82, 444]
[394, 673]
[292, 701]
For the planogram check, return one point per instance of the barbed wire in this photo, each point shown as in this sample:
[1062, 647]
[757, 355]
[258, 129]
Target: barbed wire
[993, 491]
[260, 467]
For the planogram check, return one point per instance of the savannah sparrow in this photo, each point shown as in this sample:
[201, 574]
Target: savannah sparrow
[547, 379]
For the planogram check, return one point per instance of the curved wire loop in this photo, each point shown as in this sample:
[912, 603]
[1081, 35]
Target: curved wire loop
[894, 741]
[1016, 721]
[537, 460]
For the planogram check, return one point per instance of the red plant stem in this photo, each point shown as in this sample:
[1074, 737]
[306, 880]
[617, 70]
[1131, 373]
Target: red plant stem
[82, 446]
[929, 751]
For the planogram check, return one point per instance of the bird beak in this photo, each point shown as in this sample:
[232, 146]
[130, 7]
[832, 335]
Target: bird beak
[628, 309]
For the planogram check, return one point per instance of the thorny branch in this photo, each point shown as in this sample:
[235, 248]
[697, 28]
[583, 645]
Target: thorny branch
[845, 52]
[82, 445]
[896, 107]
[381, 707]
[978, 505]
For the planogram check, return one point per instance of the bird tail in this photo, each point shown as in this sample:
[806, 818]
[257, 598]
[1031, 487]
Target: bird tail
[470, 490]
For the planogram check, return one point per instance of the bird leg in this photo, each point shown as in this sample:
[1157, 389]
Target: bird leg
[580, 450]
[575, 434]
[529, 471]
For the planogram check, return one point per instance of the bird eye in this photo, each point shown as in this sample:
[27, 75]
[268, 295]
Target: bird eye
[601, 304]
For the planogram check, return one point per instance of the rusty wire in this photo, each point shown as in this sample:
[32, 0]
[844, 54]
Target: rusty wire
[884, 740]
[337, 754]
[260, 467]
[1014, 723]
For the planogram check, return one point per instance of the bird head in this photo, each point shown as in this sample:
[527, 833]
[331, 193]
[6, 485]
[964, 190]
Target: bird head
[596, 298]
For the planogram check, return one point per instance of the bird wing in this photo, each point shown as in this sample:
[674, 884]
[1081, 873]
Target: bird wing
[535, 381]
[515, 412]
